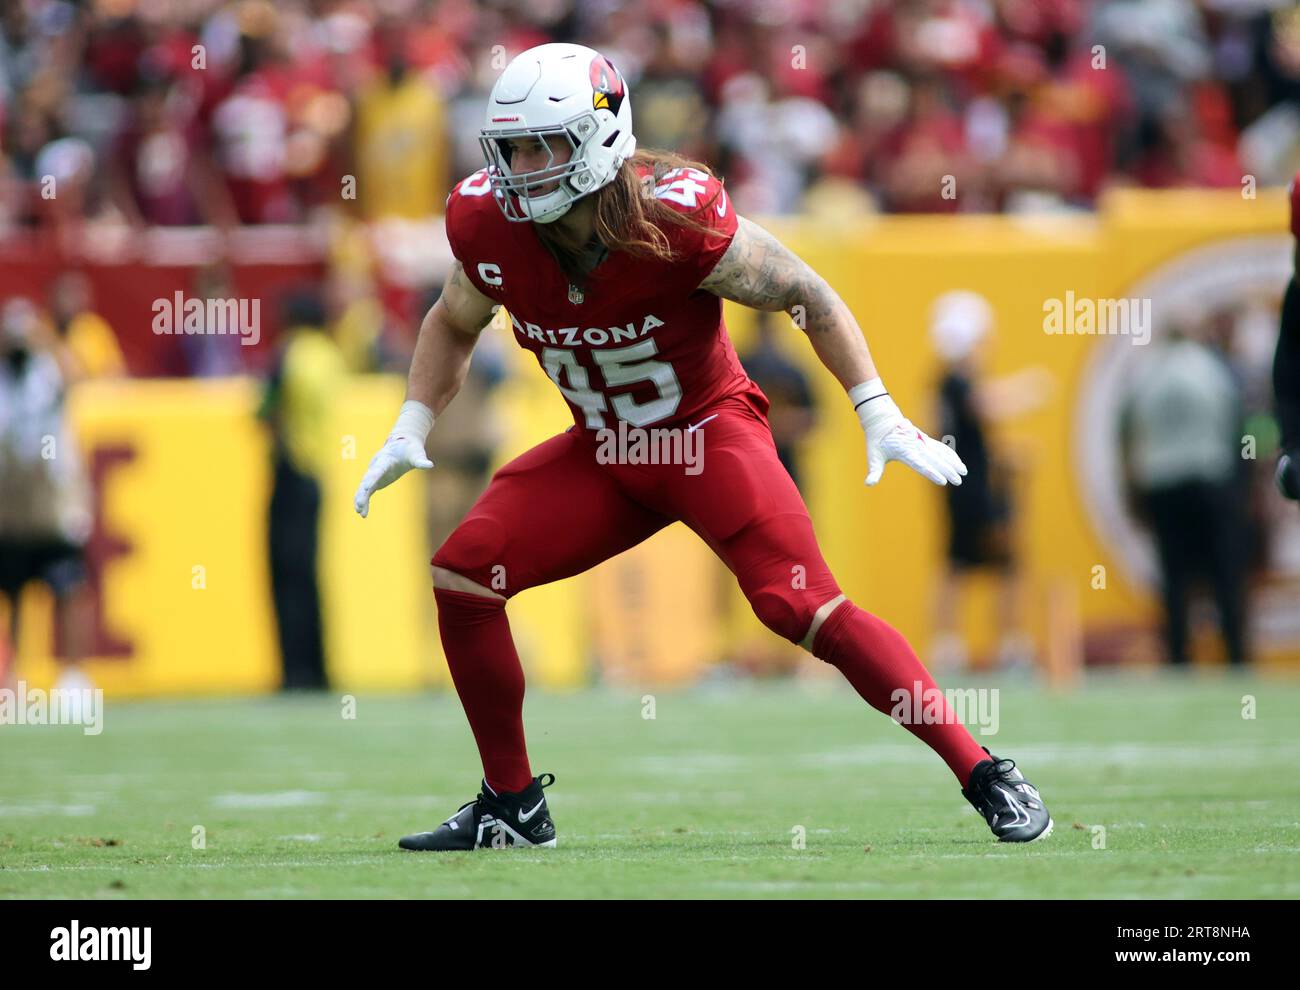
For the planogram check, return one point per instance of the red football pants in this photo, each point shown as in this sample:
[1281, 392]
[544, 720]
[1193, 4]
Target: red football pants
[555, 511]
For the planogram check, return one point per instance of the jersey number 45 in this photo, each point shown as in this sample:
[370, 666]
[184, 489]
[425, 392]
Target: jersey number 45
[619, 366]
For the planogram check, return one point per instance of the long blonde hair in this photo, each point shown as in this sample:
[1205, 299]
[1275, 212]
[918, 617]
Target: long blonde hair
[628, 217]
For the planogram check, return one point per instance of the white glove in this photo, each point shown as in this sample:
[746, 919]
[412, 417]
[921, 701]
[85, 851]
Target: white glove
[891, 437]
[403, 450]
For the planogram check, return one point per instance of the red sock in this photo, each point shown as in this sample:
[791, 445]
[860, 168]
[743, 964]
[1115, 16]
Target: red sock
[878, 662]
[485, 669]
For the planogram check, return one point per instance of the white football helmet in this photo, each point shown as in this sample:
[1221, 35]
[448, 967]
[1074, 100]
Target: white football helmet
[569, 91]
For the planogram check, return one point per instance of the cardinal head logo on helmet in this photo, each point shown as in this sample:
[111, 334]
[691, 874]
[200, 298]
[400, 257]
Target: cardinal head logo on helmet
[606, 85]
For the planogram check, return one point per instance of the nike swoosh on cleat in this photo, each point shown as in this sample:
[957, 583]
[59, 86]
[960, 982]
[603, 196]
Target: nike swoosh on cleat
[524, 817]
[1016, 810]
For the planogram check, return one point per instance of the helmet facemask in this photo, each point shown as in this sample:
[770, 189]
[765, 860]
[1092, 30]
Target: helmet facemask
[518, 193]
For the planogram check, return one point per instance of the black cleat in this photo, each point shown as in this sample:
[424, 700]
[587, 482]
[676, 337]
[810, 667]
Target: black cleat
[1008, 802]
[493, 821]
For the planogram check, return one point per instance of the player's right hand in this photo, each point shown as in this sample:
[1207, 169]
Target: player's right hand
[398, 455]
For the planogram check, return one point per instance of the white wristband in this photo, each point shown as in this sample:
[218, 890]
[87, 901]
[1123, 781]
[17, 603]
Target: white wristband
[414, 420]
[861, 395]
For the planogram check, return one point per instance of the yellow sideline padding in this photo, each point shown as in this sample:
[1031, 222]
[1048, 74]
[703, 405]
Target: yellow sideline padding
[194, 491]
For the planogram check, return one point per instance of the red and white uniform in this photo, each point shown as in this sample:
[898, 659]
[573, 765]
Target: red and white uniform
[643, 344]
[639, 347]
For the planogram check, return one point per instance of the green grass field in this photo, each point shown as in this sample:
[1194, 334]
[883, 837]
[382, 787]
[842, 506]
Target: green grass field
[701, 801]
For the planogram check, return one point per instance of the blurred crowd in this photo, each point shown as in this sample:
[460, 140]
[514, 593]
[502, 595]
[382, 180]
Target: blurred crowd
[178, 112]
[353, 118]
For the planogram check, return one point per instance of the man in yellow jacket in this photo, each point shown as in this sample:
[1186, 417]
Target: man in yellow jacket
[307, 376]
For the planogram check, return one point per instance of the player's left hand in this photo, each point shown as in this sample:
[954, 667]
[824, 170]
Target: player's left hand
[892, 437]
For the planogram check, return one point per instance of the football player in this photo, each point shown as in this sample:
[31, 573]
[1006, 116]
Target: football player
[612, 266]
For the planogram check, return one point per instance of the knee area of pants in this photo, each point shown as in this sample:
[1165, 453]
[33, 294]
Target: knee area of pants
[782, 612]
[473, 549]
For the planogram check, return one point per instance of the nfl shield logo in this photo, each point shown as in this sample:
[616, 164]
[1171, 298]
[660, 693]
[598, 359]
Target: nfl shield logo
[575, 294]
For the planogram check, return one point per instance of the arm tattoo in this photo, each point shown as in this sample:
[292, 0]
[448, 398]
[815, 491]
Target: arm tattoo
[456, 277]
[759, 271]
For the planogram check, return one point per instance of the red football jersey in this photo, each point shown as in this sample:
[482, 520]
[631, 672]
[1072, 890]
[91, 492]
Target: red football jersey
[1295, 205]
[639, 342]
